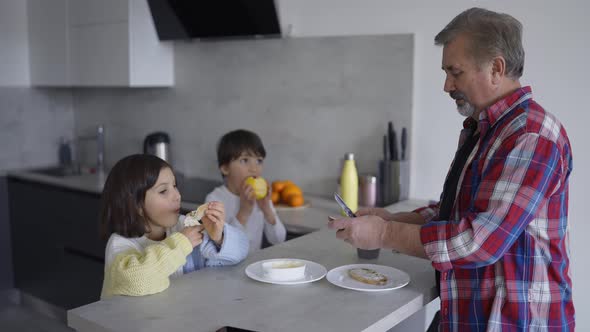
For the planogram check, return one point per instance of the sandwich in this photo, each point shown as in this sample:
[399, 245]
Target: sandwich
[193, 218]
[368, 276]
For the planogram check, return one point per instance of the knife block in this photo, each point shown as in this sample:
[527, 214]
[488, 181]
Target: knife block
[394, 181]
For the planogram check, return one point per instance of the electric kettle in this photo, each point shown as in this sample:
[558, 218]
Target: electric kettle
[158, 144]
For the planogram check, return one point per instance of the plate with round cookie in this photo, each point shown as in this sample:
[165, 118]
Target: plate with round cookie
[368, 277]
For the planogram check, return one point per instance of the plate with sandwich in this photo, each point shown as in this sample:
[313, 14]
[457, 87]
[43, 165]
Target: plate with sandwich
[368, 277]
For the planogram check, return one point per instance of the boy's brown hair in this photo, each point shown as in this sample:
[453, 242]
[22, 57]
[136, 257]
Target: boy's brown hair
[233, 144]
[124, 192]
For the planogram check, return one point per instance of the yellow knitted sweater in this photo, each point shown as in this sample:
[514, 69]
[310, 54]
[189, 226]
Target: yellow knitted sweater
[134, 272]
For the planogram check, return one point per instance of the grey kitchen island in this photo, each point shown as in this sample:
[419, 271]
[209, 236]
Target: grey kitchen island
[211, 298]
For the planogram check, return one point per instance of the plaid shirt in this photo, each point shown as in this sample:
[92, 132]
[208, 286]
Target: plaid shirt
[504, 255]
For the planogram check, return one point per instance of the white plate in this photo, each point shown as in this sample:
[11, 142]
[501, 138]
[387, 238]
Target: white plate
[396, 278]
[313, 272]
[285, 207]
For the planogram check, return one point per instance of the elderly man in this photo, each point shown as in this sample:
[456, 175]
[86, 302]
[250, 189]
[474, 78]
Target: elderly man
[499, 235]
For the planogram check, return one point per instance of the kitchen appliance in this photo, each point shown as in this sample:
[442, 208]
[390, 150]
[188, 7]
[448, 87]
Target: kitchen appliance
[158, 144]
[181, 19]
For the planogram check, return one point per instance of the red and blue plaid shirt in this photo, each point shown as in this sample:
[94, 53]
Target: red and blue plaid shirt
[504, 255]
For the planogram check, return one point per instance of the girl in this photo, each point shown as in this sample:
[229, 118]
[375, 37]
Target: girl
[148, 243]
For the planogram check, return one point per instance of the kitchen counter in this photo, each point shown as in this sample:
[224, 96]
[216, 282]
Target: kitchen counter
[214, 297]
[315, 217]
[193, 190]
[88, 183]
[297, 220]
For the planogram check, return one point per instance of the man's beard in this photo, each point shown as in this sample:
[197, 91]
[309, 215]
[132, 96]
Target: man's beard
[467, 109]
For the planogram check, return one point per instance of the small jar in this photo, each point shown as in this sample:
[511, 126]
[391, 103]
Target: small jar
[368, 190]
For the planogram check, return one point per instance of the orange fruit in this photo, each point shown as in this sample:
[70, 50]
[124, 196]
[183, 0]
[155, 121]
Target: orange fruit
[275, 197]
[295, 200]
[278, 186]
[290, 189]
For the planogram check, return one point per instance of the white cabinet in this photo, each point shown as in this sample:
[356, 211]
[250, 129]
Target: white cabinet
[48, 42]
[97, 43]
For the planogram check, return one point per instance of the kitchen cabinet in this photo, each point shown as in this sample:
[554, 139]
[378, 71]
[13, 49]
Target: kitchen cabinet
[97, 43]
[48, 42]
[58, 255]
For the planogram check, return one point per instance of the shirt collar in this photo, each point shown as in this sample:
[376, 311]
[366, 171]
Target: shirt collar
[489, 116]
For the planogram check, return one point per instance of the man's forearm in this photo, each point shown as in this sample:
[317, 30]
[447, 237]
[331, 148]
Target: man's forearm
[403, 237]
[408, 218]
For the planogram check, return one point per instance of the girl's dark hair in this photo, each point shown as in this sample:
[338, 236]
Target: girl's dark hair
[234, 143]
[124, 192]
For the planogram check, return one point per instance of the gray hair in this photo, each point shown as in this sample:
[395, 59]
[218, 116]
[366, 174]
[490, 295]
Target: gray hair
[490, 34]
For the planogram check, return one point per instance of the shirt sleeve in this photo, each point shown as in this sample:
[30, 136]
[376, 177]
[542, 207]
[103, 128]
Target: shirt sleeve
[134, 272]
[233, 250]
[275, 233]
[514, 186]
[429, 212]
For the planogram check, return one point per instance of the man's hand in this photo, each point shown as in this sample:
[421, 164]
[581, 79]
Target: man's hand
[214, 220]
[194, 234]
[362, 232]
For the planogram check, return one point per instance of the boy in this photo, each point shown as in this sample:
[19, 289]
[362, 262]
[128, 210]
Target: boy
[240, 154]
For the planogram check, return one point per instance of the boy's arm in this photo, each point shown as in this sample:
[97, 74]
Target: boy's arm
[134, 273]
[275, 233]
[233, 250]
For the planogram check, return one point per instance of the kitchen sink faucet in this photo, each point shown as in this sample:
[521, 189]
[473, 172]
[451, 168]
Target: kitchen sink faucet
[100, 147]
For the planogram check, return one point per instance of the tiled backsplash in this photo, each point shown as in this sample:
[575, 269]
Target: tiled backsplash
[310, 99]
[31, 123]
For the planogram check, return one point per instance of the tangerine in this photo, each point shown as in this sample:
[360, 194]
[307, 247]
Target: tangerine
[295, 200]
[290, 189]
[275, 197]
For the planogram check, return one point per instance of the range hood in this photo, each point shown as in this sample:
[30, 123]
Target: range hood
[214, 19]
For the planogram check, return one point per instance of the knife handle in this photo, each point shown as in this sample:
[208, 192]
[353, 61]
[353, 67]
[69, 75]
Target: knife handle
[404, 142]
[385, 148]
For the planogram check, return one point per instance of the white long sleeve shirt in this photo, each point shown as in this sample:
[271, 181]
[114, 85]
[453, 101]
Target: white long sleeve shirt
[256, 224]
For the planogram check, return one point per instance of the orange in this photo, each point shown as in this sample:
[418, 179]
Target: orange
[278, 186]
[295, 200]
[290, 189]
[275, 197]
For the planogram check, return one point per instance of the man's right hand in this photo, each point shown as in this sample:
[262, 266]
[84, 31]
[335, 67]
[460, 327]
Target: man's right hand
[194, 234]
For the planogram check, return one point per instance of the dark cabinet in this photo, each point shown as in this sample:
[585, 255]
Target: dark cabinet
[58, 255]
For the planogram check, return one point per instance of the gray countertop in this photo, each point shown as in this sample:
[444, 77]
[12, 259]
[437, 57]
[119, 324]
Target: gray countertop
[88, 183]
[214, 297]
[296, 220]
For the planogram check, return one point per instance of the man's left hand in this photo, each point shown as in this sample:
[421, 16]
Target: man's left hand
[362, 232]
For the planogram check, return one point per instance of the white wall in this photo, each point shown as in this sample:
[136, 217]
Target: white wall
[14, 50]
[288, 91]
[557, 51]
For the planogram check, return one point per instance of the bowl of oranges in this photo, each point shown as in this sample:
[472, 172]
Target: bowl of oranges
[287, 195]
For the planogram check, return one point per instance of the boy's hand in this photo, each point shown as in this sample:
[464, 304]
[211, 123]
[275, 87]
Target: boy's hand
[214, 220]
[194, 234]
[264, 205]
[247, 201]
